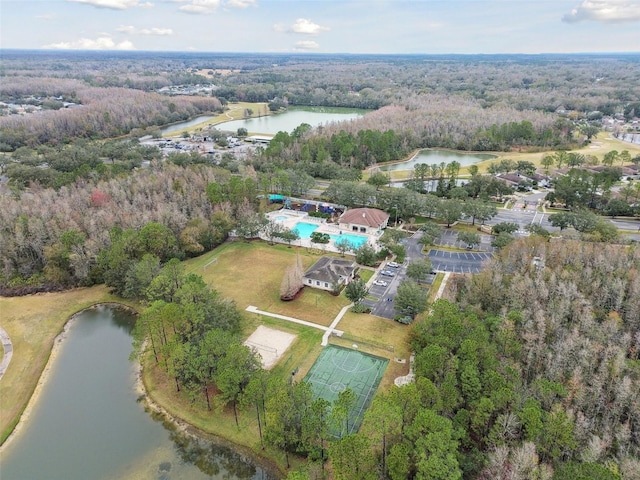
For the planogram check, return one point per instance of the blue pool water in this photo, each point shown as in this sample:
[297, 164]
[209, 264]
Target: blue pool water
[305, 229]
[355, 240]
[280, 218]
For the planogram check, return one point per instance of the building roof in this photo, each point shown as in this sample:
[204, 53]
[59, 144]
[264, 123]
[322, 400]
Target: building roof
[370, 217]
[331, 269]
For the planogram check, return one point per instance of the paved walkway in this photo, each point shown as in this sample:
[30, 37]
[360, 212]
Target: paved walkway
[8, 351]
[334, 324]
[328, 330]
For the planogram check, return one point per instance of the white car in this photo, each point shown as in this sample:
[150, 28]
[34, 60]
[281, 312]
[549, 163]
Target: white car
[393, 264]
[380, 283]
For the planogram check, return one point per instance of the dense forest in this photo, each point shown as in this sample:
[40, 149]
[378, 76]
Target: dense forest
[531, 373]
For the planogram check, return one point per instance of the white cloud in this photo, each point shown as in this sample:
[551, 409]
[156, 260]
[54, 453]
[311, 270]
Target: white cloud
[100, 43]
[606, 11]
[131, 30]
[199, 6]
[240, 3]
[307, 27]
[306, 45]
[46, 16]
[114, 4]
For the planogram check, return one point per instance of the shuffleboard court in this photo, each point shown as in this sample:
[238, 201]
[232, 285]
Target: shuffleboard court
[337, 369]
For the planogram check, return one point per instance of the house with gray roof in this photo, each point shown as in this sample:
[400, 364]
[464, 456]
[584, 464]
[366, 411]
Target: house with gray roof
[329, 271]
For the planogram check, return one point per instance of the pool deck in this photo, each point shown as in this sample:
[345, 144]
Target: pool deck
[294, 216]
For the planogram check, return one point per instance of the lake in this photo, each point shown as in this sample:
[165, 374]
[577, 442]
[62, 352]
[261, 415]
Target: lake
[429, 156]
[88, 424]
[280, 122]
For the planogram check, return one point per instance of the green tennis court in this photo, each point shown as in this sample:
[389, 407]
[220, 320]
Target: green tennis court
[337, 369]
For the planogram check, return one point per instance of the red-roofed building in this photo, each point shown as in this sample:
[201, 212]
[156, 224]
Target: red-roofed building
[364, 220]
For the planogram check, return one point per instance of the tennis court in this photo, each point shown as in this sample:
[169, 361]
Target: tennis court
[337, 369]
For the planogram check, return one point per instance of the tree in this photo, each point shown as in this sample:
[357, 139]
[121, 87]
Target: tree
[562, 220]
[234, 372]
[341, 410]
[378, 179]
[547, 161]
[450, 211]
[292, 281]
[356, 290]
[242, 132]
[418, 270]
[431, 231]
[507, 227]
[366, 255]
[411, 299]
[343, 245]
[470, 238]
[289, 235]
[352, 458]
[502, 240]
[537, 229]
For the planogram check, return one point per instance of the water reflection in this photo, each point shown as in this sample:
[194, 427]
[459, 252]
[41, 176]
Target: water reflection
[88, 423]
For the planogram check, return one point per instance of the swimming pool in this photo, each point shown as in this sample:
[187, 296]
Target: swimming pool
[305, 229]
[280, 218]
[356, 240]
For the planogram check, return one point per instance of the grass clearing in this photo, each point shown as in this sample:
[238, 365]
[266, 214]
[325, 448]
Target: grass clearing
[251, 272]
[247, 272]
[33, 322]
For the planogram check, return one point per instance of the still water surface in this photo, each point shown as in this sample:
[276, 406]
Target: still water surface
[280, 122]
[87, 423]
[430, 157]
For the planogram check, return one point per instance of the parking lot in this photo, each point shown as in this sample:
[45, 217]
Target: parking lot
[458, 262]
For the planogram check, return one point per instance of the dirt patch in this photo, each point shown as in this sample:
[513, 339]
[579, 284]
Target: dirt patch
[270, 343]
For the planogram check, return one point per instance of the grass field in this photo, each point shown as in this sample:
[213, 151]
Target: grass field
[248, 273]
[251, 272]
[33, 322]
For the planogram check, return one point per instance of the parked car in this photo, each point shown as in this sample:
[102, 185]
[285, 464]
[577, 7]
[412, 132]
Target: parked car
[380, 283]
[393, 264]
[387, 273]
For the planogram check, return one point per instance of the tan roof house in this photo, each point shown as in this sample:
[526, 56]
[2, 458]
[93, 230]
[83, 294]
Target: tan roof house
[364, 220]
[329, 271]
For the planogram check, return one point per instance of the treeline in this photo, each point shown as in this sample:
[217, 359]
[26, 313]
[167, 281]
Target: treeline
[356, 151]
[532, 373]
[391, 133]
[102, 113]
[81, 159]
[54, 237]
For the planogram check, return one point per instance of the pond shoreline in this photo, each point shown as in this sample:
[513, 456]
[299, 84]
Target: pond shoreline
[45, 375]
[150, 405]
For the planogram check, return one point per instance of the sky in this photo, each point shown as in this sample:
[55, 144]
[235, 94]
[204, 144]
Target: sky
[324, 26]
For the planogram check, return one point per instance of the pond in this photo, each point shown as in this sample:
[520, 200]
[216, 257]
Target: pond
[87, 422]
[281, 122]
[430, 157]
[187, 124]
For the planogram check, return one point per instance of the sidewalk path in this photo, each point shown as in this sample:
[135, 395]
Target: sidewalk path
[334, 324]
[8, 351]
[328, 330]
